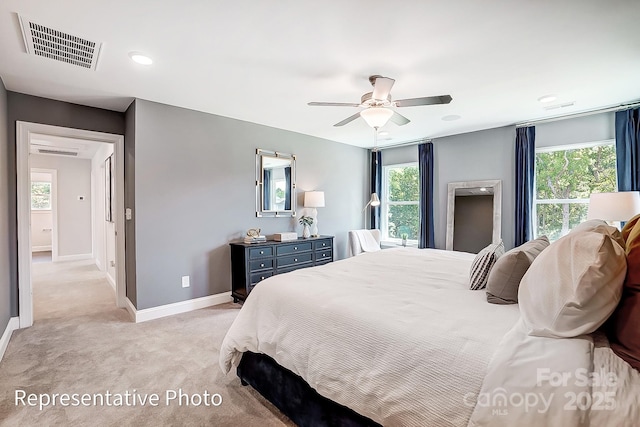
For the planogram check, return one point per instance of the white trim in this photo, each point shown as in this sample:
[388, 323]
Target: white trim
[576, 146]
[45, 248]
[177, 307]
[77, 257]
[130, 308]
[385, 203]
[24, 130]
[111, 281]
[14, 323]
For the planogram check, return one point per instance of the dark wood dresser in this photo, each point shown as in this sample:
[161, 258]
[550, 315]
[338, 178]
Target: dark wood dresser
[253, 262]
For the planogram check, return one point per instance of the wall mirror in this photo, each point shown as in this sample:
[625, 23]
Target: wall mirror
[474, 215]
[275, 184]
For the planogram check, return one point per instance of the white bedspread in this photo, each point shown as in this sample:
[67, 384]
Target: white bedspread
[564, 382]
[395, 335]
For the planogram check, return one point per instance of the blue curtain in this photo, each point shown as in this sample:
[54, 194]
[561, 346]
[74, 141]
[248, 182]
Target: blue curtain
[627, 149]
[425, 165]
[266, 190]
[376, 186]
[287, 191]
[525, 175]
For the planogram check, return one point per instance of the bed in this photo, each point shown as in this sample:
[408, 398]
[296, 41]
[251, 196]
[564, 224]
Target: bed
[396, 338]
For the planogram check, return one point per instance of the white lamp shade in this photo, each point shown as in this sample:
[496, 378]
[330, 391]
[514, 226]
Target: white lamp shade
[314, 199]
[375, 201]
[620, 206]
[376, 117]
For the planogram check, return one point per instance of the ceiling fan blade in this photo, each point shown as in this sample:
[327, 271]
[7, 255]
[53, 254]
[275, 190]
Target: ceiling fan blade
[399, 119]
[333, 104]
[348, 119]
[381, 88]
[427, 100]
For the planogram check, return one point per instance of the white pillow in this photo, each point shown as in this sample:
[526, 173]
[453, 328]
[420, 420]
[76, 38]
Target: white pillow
[573, 286]
[600, 226]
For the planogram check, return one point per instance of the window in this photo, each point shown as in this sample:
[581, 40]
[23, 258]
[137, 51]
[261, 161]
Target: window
[40, 196]
[400, 212]
[565, 177]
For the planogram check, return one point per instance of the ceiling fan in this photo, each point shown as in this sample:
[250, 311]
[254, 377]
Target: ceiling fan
[376, 104]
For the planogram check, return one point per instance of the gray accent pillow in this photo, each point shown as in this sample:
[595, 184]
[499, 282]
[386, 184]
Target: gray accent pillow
[504, 278]
[482, 265]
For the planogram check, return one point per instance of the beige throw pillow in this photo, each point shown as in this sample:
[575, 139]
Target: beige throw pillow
[573, 286]
[506, 274]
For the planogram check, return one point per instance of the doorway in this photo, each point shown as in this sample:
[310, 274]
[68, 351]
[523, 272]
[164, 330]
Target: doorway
[26, 134]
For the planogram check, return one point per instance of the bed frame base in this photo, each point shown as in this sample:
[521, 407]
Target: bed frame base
[294, 397]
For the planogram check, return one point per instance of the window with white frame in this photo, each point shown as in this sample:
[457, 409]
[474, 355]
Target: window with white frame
[565, 178]
[40, 196]
[400, 208]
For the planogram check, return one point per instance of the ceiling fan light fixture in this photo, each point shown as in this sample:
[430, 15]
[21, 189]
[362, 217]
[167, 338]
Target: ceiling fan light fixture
[376, 117]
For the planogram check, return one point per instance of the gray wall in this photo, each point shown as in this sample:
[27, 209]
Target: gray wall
[489, 154]
[130, 201]
[6, 292]
[195, 191]
[74, 216]
[483, 155]
[46, 111]
[473, 223]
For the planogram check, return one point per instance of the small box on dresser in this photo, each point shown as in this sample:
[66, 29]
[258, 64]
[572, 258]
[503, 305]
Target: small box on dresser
[253, 262]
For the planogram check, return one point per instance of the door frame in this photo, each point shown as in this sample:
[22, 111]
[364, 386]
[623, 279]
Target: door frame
[54, 208]
[24, 131]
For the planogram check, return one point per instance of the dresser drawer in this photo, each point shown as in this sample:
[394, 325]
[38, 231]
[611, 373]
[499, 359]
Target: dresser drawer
[257, 277]
[262, 252]
[261, 264]
[294, 259]
[293, 248]
[294, 267]
[322, 244]
[323, 255]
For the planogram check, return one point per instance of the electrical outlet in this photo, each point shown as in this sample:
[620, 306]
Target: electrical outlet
[185, 281]
[113, 263]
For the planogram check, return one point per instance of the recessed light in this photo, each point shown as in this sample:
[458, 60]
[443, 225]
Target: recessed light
[451, 118]
[383, 133]
[483, 188]
[140, 58]
[547, 98]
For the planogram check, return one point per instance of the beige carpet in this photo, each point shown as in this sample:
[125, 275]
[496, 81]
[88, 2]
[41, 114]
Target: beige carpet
[81, 343]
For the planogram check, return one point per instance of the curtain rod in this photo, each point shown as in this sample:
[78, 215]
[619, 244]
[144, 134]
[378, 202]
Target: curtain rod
[529, 123]
[576, 115]
[405, 143]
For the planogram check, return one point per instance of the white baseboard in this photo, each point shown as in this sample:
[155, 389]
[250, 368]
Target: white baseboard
[111, 281]
[99, 265]
[41, 248]
[14, 323]
[177, 307]
[79, 257]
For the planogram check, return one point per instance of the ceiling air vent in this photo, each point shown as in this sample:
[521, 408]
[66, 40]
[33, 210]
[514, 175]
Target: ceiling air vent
[556, 106]
[57, 152]
[54, 44]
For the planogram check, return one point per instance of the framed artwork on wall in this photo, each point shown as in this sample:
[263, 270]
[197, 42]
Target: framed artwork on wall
[108, 188]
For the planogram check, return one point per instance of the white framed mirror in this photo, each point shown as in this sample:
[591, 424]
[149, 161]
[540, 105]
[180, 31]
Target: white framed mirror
[275, 184]
[474, 215]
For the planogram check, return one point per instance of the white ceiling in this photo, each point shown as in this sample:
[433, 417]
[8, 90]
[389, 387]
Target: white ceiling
[85, 149]
[263, 60]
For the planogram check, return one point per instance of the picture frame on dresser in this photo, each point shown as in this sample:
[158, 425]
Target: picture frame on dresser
[252, 263]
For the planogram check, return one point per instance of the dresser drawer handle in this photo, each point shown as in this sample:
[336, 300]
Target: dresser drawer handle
[324, 255]
[262, 278]
[295, 248]
[295, 259]
[324, 244]
[261, 252]
[262, 265]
